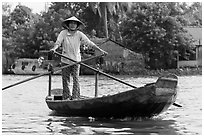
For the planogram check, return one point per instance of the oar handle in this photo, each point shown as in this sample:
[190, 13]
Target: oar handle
[88, 59]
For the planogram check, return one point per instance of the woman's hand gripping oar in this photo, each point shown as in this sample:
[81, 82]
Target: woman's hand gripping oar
[46, 73]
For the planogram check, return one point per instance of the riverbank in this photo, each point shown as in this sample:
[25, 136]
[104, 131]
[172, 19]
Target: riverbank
[146, 72]
[178, 72]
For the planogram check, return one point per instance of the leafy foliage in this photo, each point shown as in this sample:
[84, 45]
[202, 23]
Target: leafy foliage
[154, 29]
[18, 32]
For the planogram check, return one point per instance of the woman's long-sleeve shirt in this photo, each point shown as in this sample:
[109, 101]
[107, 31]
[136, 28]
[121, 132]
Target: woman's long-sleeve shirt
[71, 45]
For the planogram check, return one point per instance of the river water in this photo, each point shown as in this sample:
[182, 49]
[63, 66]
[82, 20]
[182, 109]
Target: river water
[24, 111]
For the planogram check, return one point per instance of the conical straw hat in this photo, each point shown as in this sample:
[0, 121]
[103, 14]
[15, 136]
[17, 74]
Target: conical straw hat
[73, 18]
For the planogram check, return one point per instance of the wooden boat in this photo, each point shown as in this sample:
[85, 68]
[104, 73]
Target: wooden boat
[146, 101]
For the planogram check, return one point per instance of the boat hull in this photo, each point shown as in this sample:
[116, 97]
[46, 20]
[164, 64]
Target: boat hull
[147, 101]
[26, 66]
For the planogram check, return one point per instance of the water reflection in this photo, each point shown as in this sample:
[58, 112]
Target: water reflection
[101, 126]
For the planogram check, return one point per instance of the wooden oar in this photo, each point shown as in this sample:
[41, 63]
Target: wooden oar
[105, 74]
[46, 73]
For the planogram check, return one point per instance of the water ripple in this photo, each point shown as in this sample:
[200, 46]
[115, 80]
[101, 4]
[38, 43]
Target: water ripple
[25, 112]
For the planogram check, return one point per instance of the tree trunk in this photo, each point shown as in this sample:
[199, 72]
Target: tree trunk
[106, 23]
[104, 16]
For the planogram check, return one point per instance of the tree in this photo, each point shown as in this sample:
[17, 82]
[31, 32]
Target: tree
[6, 28]
[18, 29]
[92, 22]
[102, 8]
[154, 30]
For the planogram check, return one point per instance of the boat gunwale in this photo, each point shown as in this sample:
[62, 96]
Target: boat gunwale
[153, 94]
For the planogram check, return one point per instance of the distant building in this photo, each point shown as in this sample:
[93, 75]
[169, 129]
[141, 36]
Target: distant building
[119, 59]
[196, 33]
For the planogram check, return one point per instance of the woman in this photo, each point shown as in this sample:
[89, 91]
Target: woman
[71, 38]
